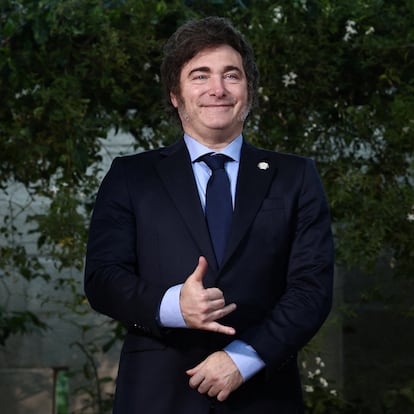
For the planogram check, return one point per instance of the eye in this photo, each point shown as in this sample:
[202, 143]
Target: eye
[232, 76]
[199, 77]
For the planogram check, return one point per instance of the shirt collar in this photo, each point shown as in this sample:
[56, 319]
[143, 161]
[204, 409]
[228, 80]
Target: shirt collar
[196, 150]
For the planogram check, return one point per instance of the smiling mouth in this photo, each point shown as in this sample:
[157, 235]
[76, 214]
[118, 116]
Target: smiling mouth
[218, 106]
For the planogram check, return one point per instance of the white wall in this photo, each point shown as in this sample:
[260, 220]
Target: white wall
[28, 363]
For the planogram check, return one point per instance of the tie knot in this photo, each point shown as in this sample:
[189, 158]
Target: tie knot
[215, 161]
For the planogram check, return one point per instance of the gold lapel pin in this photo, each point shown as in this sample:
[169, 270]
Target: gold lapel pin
[263, 165]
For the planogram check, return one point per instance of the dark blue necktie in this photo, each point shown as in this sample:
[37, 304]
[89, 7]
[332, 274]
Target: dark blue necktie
[219, 208]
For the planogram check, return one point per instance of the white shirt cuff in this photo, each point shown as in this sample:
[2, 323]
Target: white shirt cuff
[245, 357]
[170, 311]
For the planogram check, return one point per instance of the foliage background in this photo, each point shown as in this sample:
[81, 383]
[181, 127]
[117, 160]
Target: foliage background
[336, 84]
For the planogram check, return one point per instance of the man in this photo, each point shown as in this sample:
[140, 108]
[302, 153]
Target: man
[215, 321]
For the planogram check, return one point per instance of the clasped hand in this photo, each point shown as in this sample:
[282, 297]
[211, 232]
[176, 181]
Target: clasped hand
[217, 375]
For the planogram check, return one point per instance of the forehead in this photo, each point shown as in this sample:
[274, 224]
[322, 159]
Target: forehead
[214, 58]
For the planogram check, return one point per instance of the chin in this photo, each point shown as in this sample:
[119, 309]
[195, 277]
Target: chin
[219, 127]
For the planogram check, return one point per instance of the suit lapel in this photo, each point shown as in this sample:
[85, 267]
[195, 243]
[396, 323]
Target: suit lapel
[256, 172]
[177, 176]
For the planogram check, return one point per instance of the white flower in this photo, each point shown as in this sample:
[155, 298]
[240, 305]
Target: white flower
[147, 65]
[333, 392]
[25, 92]
[289, 79]
[304, 5]
[308, 388]
[369, 31]
[277, 14]
[53, 189]
[318, 360]
[323, 382]
[265, 97]
[350, 30]
[311, 374]
[410, 215]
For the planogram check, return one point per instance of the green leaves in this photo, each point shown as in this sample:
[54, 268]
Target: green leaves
[336, 84]
[20, 322]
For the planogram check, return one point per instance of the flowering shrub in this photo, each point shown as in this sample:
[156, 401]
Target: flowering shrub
[319, 394]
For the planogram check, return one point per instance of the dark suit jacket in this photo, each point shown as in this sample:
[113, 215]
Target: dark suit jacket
[146, 235]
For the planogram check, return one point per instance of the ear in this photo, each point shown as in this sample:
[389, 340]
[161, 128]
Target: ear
[174, 100]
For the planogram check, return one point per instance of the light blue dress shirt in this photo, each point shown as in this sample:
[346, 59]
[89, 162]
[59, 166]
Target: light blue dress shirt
[243, 355]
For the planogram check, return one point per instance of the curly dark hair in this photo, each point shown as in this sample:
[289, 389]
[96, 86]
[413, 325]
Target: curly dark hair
[195, 36]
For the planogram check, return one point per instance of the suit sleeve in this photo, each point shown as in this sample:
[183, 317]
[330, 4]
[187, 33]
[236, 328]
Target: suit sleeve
[113, 285]
[307, 299]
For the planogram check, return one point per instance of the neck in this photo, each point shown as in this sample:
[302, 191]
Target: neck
[215, 142]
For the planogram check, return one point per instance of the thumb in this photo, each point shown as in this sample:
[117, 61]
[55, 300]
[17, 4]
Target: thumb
[200, 270]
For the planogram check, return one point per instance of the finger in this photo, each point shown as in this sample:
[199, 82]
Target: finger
[214, 293]
[227, 310]
[200, 270]
[220, 312]
[204, 387]
[219, 328]
[216, 304]
[222, 395]
[196, 380]
[194, 370]
[212, 392]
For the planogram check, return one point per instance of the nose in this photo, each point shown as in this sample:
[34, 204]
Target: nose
[217, 87]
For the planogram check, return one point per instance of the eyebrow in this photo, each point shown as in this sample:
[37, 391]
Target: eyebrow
[206, 69]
